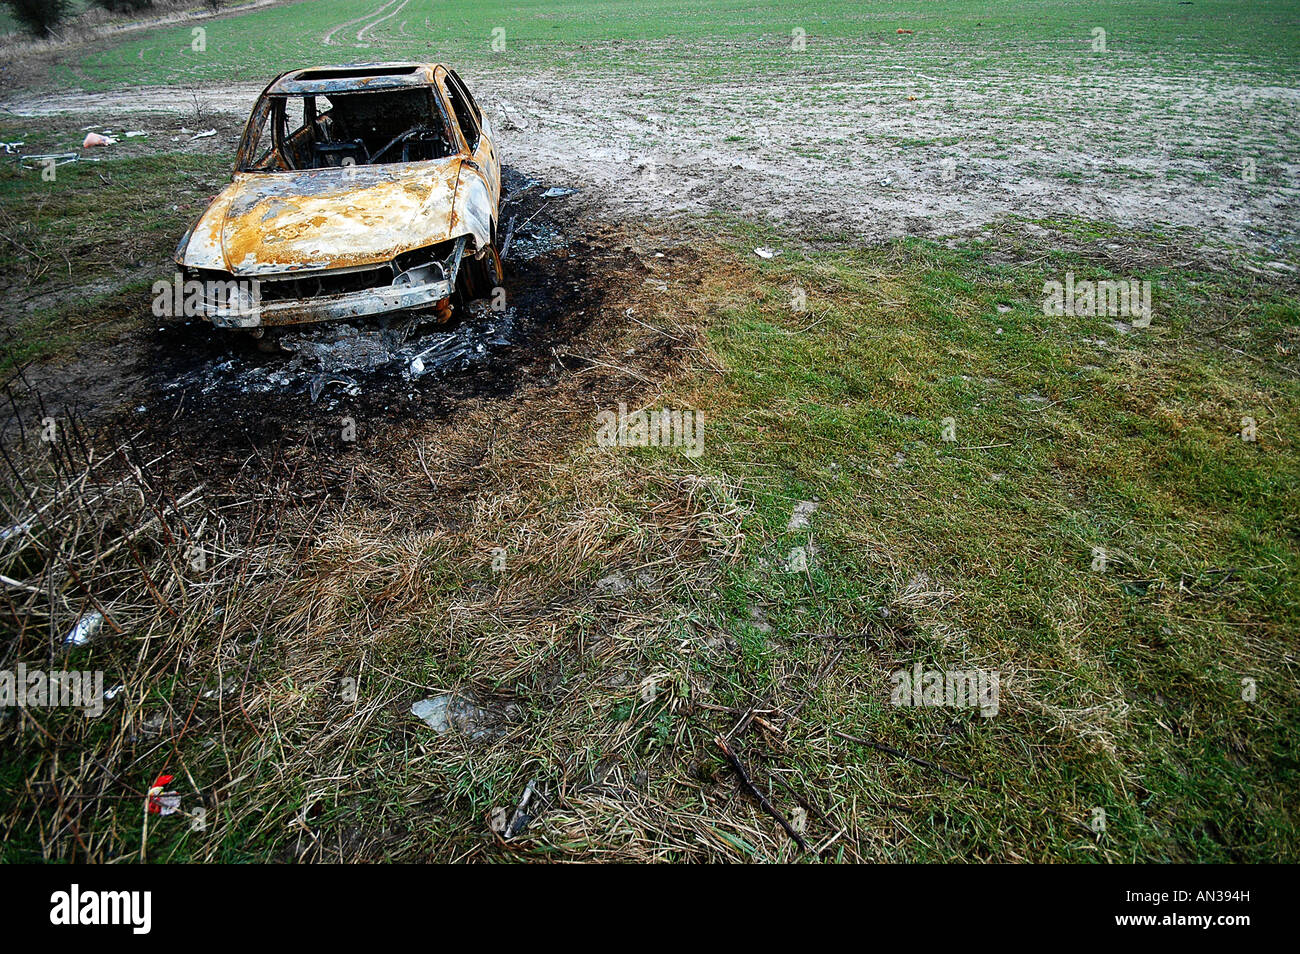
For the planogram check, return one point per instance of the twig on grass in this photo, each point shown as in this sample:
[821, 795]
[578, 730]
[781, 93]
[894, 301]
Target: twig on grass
[889, 749]
[753, 790]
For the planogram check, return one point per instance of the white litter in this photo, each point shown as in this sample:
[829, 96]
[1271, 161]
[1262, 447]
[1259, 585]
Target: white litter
[85, 630]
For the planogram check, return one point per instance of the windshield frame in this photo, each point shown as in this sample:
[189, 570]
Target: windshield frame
[268, 114]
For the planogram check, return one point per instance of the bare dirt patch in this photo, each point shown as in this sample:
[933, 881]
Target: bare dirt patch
[893, 154]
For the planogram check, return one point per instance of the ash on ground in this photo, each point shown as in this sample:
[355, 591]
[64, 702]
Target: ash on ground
[337, 357]
[331, 360]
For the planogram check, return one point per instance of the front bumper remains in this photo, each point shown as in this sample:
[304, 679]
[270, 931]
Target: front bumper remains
[419, 287]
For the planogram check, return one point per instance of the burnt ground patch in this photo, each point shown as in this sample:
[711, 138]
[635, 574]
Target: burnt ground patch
[223, 410]
[218, 388]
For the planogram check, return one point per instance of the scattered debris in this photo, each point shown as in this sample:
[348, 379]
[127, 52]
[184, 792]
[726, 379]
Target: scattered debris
[343, 347]
[750, 787]
[467, 344]
[58, 158]
[162, 802]
[85, 630]
[540, 239]
[206, 134]
[338, 354]
[765, 252]
[319, 382]
[555, 192]
[899, 753]
[509, 825]
[511, 118]
[95, 139]
[16, 529]
[448, 711]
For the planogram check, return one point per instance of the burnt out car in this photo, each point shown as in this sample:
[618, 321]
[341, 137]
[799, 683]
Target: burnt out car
[358, 190]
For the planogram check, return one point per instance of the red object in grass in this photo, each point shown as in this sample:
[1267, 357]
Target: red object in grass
[904, 31]
[156, 789]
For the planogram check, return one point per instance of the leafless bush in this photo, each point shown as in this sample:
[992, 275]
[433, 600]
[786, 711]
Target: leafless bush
[39, 16]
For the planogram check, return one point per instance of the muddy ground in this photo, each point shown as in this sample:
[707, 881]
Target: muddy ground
[919, 158]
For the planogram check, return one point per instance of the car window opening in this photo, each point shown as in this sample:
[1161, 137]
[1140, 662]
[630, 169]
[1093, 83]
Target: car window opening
[464, 115]
[318, 131]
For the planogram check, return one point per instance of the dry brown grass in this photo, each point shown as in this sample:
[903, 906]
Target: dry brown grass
[642, 612]
[238, 678]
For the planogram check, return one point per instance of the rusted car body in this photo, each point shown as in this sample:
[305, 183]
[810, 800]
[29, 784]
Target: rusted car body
[358, 190]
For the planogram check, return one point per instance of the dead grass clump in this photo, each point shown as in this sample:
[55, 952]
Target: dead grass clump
[110, 567]
[560, 590]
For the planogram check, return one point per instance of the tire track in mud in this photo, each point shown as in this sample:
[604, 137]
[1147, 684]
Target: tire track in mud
[328, 40]
[361, 35]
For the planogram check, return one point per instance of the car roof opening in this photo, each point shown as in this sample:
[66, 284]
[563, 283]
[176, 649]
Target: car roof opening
[356, 72]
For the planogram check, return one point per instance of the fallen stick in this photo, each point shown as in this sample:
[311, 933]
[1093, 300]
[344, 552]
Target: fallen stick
[881, 747]
[762, 799]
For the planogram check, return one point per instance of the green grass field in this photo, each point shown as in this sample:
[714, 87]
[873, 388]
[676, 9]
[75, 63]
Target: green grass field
[691, 42]
[1121, 689]
[970, 455]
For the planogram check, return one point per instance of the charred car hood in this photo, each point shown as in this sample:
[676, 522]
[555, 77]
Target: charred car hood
[272, 223]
